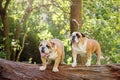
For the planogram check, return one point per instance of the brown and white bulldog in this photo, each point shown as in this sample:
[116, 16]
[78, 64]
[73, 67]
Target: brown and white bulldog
[51, 50]
[85, 47]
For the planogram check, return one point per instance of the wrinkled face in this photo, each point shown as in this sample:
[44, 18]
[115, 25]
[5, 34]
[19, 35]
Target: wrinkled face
[45, 48]
[76, 36]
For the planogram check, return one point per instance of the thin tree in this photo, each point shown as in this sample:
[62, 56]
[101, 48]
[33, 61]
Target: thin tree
[6, 26]
[76, 21]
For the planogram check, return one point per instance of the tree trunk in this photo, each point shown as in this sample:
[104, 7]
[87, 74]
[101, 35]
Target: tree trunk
[75, 15]
[10, 70]
[6, 26]
[28, 11]
[76, 22]
[21, 25]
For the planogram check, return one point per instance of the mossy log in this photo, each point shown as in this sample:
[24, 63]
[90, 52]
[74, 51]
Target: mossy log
[10, 70]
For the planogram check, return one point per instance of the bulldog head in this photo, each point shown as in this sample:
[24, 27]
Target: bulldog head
[76, 37]
[46, 47]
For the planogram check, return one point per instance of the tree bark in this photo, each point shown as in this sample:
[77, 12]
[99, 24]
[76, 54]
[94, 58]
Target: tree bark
[20, 27]
[6, 26]
[10, 70]
[76, 22]
[28, 11]
[75, 15]
[24, 19]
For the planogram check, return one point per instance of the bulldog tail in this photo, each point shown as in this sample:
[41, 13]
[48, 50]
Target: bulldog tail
[101, 57]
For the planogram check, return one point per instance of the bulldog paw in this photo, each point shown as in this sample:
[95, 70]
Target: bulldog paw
[42, 68]
[74, 64]
[98, 63]
[55, 70]
[88, 64]
[63, 63]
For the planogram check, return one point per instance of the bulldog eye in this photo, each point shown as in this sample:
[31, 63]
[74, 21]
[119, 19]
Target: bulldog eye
[78, 35]
[40, 44]
[47, 46]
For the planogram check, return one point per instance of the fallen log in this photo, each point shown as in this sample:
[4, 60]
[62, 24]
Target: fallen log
[10, 70]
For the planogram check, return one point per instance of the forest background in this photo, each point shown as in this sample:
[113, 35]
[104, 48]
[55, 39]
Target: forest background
[31, 21]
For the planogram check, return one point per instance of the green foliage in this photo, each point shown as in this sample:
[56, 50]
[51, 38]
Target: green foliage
[31, 52]
[3, 55]
[101, 21]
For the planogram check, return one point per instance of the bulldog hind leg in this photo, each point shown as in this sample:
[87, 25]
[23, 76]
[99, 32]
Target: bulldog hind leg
[98, 57]
[62, 58]
[88, 63]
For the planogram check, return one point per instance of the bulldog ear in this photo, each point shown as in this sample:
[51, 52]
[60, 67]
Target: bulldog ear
[82, 35]
[78, 35]
[52, 43]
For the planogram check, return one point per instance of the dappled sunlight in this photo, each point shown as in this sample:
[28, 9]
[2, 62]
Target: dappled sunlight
[45, 35]
[48, 19]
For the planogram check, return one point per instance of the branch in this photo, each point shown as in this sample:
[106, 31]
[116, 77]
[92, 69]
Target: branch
[27, 12]
[23, 71]
[24, 19]
[6, 4]
[42, 5]
[1, 4]
[77, 23]
[23, 42]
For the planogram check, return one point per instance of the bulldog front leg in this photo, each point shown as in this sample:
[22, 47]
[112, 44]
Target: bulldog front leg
[74, 59]
[43, 67]
[56, 64]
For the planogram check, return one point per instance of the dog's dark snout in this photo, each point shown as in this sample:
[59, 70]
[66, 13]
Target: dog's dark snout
[73, 38]
[43, 49]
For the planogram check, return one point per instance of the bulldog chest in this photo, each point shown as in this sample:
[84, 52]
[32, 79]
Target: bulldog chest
[53, 55]
[80, 49]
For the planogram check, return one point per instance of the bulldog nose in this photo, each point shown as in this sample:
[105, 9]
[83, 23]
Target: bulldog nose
[43, 49]
[73, 38]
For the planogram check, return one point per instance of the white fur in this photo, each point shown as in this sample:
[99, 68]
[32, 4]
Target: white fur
[46, 49]
[74, 64]
[74, 60]
[76, 39]
[42, 68]
[88, 63]
[55, 70]
[53, 55]
[80, 49]
[101, 57]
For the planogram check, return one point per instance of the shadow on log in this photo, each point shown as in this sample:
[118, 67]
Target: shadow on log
[10, 70]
